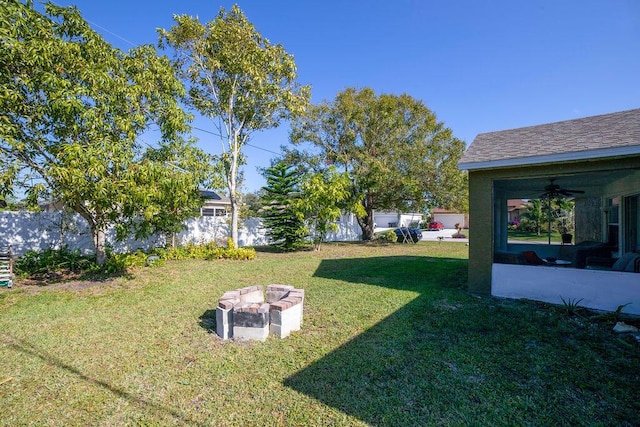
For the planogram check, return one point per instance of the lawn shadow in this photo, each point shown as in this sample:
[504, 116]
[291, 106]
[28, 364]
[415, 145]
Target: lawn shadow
[207, 321]
[30, 350]
[386, 375]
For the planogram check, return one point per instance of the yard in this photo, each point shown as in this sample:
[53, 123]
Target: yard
[525, 236]
[390, 337]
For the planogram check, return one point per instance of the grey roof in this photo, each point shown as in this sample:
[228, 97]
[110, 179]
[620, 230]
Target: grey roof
[606, 134]
[213, 196]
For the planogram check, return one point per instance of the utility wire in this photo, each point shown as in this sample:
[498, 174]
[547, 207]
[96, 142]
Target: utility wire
[201, 130]
[101, 27]
[247, 144]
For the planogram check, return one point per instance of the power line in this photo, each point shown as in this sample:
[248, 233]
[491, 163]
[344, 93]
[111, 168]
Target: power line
[111, 32]
[201, 130]
[99, 26]
[222, 136]
[247, 144]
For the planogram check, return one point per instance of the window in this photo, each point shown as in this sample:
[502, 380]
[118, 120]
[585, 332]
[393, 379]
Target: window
[631, 220]
[221, 212]
[208, 212]
[613, 222]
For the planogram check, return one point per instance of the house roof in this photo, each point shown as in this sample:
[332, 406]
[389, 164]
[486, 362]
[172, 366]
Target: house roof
[444, 211]
[607, 135]
[213, 196]
[514, 204]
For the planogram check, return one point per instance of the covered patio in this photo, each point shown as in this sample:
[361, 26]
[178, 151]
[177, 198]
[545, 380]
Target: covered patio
[599, 158]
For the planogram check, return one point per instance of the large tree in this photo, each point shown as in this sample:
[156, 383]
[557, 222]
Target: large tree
[73, 108]
[239, 80]
[397, 154]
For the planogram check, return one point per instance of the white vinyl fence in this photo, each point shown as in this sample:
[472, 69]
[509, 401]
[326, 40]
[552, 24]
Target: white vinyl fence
[43, 230]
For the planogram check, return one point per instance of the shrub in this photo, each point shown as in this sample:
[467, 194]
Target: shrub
[63, 260]
[387, 236]
[53, 260]
[207, 251]
[513, 225]
[117, 263]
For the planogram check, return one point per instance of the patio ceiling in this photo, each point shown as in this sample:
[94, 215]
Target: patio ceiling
[533, 187]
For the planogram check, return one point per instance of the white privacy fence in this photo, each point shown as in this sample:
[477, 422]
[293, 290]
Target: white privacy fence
[43, 230]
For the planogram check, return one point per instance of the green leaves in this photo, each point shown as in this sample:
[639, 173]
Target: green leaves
[324, 195]
[282, 216]
[396, 152]
[74, 108]
[238, 79]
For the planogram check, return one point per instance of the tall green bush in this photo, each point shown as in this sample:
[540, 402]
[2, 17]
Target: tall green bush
[282, 217]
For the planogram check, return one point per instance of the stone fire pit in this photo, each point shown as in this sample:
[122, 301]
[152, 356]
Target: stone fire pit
[244, 313]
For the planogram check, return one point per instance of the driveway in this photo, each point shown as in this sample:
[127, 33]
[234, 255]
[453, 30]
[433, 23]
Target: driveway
[444, 234]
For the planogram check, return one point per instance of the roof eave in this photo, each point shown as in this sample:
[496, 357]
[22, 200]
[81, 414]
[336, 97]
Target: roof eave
[553, 158]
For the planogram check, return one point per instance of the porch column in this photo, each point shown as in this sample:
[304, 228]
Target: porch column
[481, 224]
[500, 220]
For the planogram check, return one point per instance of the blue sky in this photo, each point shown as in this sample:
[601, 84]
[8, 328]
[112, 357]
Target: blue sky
[479, 66]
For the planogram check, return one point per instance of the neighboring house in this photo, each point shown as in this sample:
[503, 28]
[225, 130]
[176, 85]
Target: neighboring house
[388, 219]
[51, 206]
[214, 204]
[450, 218]
[515, 208]
[597, 156]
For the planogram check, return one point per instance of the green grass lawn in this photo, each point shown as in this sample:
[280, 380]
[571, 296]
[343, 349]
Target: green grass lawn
[525, 236]
[390, 337]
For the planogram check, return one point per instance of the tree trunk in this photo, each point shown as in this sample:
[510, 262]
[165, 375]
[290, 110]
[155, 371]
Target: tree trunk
[98, 234]
[234, 220]
[99, 238]
[366, 222]
[366, 225]
[232, 185]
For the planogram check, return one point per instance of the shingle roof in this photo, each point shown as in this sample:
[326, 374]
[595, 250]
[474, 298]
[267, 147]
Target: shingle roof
[212, 195]
[585, 135]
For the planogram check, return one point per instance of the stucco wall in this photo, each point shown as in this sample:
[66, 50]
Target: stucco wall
[481, 239]
[588, 218]
[482, 210]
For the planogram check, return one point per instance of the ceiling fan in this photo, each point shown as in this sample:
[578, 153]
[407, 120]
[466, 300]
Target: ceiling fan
[553, 190]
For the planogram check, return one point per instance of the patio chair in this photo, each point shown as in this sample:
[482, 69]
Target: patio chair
[629, 262]
[532, 258]
[6, 266]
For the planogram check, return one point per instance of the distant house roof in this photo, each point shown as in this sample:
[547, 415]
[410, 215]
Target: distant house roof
[607, 135]
[443, 211]
[213, 196]
[514, 204]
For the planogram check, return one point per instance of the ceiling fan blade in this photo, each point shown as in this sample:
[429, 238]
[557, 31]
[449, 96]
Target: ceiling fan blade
[575, 191]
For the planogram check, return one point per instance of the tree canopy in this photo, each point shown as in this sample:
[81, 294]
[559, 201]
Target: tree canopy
[236, 78]
[73, 109]
[396, 152]
[323, 197]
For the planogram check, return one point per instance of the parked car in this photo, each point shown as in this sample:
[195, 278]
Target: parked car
[415, 234]
[435, 226]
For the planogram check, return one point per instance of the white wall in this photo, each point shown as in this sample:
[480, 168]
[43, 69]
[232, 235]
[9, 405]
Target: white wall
[43, 230]
[383, 219]
[348, 230]
[600, 290]
[449, 219]
[406, 219]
